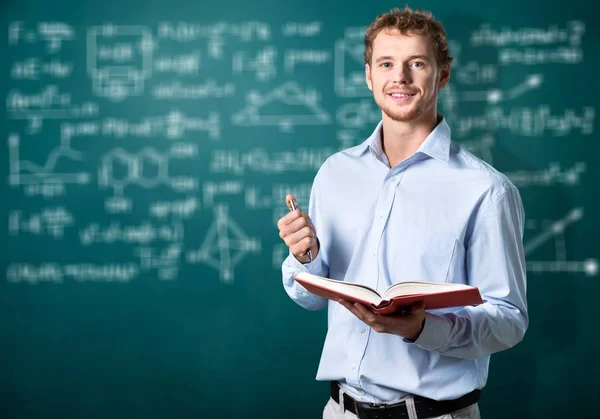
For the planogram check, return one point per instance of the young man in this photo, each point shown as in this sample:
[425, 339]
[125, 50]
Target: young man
[410, 204]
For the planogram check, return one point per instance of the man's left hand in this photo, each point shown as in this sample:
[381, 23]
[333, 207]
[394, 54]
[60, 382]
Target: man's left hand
[408, 325]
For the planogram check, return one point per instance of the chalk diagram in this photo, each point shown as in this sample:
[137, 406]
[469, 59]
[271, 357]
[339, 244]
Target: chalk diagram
[24, 172]
[555, 231]
[224, 246]
[449, 96]
[358, 115]
[302, 106]
[119, 60]
[349, 69]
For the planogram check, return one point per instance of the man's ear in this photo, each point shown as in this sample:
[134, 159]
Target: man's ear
[368, 76]
[444, 76]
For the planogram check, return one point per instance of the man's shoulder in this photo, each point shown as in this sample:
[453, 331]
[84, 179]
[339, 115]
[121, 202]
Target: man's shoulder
[343, 157]
[482, 170]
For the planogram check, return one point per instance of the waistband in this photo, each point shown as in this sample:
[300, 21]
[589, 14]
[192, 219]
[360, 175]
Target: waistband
[425, 408]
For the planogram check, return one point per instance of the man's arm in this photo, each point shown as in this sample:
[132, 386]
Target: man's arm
[496, 265]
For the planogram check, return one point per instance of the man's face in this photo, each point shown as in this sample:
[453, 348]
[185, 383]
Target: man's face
[404, 76]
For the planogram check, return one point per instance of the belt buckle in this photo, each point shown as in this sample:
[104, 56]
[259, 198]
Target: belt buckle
[372, 411]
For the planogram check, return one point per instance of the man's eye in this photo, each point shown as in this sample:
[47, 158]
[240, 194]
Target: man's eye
[386, 64]
[417, 64]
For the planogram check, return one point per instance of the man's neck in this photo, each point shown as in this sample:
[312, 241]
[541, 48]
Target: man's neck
[402, 139]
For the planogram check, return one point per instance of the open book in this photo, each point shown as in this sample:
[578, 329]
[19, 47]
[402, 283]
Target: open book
[397, 297]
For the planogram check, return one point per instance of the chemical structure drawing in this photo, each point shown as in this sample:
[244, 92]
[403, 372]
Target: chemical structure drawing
[147, 168]
[555, 230]
[225, 245]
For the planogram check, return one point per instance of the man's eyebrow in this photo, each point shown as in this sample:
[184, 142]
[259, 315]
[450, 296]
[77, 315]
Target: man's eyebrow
[384, 58]
[421, 57]
[412, 57]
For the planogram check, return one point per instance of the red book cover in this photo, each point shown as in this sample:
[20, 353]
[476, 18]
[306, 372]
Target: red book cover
[440, 295]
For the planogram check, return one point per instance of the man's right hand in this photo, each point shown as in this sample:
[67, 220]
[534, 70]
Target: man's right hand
[298, 232]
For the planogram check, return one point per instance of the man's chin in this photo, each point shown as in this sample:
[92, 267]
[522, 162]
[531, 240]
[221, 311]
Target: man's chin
[402, 116]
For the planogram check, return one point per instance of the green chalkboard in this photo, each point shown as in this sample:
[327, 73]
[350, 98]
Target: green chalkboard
[148, 149]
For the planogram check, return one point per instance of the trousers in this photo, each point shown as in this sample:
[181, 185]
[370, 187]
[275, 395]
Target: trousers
[333, 410]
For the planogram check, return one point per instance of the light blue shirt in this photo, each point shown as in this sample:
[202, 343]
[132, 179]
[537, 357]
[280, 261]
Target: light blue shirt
[441, 215]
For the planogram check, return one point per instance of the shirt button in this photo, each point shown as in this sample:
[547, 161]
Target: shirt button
[362, 392]
[353, 366]
[381, 214]
[363, 330]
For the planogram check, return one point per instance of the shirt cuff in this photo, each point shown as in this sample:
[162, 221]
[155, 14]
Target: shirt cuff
[435, 333]
[294, 265]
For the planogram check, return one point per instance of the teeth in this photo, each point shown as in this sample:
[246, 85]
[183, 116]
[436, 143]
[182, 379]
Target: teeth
[399, 95]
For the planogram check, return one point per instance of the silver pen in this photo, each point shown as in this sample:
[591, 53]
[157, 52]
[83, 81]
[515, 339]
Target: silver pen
[293, 207]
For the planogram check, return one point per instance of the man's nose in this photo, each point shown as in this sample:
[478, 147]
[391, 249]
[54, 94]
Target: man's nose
[402, 75]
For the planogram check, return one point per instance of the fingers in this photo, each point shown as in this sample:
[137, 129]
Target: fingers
[293, 222]
[297, 231]
[290, 217]
[374, 321]
[396, 324]
[296, 227]
[360, 311]
[301, 241]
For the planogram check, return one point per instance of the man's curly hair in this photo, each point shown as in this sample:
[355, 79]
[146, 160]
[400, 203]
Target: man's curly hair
[408, 21]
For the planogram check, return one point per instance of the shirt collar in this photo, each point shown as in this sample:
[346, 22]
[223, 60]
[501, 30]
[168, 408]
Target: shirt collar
[436, 145]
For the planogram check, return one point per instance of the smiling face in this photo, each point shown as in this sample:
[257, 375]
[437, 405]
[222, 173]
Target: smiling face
[404, 76]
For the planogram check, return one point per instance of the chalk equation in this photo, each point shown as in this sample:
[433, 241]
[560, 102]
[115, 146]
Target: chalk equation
[168, 147]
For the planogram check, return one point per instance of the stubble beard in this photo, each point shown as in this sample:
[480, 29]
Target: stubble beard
[402, 116]
[408, 113]
[416, 109]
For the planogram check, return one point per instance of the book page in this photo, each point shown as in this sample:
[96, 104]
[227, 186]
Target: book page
[416, 287]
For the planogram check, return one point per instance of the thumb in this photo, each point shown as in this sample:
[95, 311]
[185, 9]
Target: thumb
[418, 305]
[288, 198]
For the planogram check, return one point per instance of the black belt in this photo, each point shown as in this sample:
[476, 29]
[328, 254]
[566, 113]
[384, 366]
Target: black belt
[426, 408]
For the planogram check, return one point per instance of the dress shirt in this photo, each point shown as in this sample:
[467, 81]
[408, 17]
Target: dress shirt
[441, 215]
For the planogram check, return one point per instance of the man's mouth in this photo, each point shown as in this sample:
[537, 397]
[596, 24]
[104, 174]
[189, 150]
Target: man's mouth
[401, 95]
